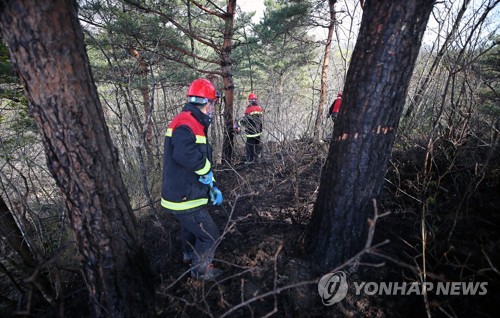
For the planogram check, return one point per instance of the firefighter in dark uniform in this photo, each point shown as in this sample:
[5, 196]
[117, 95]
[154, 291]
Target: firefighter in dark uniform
[252, 122]
[188, 184]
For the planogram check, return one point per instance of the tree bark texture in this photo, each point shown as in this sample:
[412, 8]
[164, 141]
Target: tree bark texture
[227, 76]
[46, 44]
[376, 85]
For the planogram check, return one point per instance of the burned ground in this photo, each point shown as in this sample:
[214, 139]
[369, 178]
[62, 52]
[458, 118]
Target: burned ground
[266, 208]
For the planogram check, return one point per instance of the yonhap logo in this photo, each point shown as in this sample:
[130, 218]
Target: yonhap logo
[332, 288]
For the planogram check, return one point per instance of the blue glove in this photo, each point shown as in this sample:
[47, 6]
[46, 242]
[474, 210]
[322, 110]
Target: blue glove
[215, 196]
[207, 179]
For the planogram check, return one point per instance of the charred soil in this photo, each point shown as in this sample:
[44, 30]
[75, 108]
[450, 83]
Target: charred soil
[449, 226]
[442, 227]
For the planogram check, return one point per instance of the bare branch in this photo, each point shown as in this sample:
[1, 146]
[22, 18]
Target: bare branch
[208, 10]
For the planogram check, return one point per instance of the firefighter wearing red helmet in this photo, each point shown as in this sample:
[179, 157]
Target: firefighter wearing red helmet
[335, 107]
[188, 184]
[252, 122]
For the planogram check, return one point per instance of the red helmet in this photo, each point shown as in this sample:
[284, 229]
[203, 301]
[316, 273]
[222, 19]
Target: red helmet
[201, 88]
[252, 96]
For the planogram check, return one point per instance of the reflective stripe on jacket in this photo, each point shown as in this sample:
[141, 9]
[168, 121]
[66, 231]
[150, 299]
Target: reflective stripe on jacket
[252, 121]
[186, 157]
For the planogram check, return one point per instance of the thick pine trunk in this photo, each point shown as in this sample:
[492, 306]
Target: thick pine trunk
[46, 45]
[374, 95]
[227, 74]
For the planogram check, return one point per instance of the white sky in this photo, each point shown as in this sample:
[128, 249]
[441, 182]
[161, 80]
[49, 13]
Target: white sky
[430, 36]
[253, 5]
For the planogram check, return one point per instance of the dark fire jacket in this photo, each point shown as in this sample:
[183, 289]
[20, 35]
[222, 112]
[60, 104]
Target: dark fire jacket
[187, 156]
[252, 121]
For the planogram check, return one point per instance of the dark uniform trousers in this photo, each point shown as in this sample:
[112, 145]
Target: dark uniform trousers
[198, 235]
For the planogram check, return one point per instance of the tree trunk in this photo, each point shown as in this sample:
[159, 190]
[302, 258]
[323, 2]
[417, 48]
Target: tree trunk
[147, 131]
[324, 70]
[380, 70]
[227, 75]
[46, 45]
